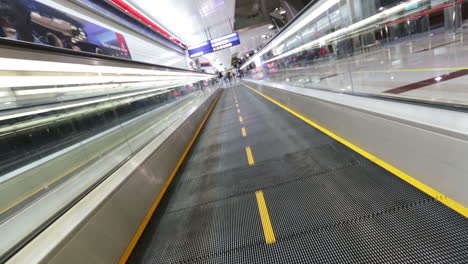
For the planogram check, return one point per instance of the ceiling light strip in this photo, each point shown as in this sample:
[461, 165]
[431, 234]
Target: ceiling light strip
[123, 5]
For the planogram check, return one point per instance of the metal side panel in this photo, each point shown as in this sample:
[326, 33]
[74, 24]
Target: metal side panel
[99, 228]
[438, 160]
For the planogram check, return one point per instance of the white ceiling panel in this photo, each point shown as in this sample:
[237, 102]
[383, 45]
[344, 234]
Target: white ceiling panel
[195, 21]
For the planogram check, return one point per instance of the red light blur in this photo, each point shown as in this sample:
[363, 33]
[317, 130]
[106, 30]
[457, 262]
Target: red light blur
[136, 14]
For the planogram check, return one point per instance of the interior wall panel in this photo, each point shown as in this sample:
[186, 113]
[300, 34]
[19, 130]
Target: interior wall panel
[141, 48]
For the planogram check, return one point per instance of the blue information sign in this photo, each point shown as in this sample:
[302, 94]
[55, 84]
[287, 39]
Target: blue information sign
[200, 49]
[225, 41]
[214, 45]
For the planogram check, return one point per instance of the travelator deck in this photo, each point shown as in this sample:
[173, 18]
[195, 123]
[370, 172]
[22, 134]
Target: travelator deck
[262, 186]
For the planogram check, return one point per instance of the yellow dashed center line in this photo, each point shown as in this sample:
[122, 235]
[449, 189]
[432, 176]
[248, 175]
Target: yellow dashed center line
[265, 217]
[244, 132]
[262, 208]
[250, 158]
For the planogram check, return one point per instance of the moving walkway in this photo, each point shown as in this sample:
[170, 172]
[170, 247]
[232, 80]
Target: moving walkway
[262, 186]
[67, 121]
[314, 159]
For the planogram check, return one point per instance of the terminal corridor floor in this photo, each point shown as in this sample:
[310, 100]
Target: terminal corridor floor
[262, 186]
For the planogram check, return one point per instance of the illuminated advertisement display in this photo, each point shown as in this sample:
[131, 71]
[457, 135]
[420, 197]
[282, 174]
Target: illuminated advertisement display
[35, 22]
[214, 45]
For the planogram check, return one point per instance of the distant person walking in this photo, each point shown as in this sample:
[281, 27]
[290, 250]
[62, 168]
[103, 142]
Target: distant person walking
[229, 77]
[220, 79]
[239, 74]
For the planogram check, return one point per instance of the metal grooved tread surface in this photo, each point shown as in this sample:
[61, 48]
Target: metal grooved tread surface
[326, 203]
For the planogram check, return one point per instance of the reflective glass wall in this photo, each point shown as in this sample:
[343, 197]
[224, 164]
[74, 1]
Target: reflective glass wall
[64, 127]
[413, 49]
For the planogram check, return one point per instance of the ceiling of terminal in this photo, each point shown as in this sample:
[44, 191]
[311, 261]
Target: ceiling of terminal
[254, 12]
[194, 21]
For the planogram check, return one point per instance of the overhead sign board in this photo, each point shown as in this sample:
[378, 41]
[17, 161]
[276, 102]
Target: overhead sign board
[200, 49]
[214, 45]
[225, 41]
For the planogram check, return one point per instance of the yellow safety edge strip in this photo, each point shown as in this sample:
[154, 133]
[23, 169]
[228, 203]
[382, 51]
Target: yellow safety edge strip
[150, 213]
[378, 71]
[421, 186]
[265, 218]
